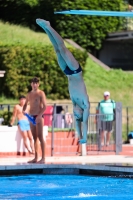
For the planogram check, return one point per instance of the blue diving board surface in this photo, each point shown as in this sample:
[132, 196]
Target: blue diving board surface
[96, 13]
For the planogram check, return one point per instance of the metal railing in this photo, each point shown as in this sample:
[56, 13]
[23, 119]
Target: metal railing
[66, 142]
[60, 119]
[64, 138]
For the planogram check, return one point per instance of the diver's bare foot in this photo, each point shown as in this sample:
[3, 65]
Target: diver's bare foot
[33, 161]
[42, 161]
[43, 23]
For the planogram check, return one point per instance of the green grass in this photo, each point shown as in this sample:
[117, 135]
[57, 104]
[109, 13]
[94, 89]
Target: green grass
[118, 82]
[4, 100]
[12, 34]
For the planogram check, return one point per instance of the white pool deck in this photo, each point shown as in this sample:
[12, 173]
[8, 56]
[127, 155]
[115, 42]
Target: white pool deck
[96, 159]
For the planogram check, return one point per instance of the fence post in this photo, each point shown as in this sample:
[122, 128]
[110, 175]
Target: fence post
[52, 133]
[98, 129]
[118, 127]
[8, 107]
[83, 150]
[127, 122]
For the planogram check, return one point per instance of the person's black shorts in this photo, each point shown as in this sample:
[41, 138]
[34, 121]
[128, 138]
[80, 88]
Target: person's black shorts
[106, 126]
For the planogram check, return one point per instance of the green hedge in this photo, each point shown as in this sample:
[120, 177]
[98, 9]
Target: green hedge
[22, 63]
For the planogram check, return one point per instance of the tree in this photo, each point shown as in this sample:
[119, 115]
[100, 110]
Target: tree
[87, 31]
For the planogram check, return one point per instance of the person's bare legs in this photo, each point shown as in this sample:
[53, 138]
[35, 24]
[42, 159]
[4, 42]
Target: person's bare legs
[102, 138]
[39, 128]
[108, 138]
[36, 145]
[57, 40]
[31, 141]
[24, 135]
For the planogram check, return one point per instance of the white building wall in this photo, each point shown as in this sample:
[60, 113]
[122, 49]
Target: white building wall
[11, 140]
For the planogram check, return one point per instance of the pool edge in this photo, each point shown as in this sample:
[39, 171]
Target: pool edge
[65, 169]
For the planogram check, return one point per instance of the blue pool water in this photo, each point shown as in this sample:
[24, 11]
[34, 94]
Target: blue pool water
[63, 187]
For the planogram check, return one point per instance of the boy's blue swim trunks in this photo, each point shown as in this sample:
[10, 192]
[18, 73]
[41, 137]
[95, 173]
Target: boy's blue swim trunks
[24, 125]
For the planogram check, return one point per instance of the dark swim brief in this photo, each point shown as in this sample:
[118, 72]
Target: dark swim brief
[35, 116]
[68, 71]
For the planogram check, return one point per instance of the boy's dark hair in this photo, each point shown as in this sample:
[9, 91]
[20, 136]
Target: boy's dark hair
[35, 80]
[22, 97]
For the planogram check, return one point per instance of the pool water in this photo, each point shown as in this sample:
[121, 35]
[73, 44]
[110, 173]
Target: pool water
[61, 187]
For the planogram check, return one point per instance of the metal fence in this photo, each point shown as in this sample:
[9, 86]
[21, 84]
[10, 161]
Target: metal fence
[61, 117]
[66, 142]
[127, 122]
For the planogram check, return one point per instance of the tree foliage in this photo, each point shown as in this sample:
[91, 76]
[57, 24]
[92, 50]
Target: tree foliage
[130, 2]
[87, 31]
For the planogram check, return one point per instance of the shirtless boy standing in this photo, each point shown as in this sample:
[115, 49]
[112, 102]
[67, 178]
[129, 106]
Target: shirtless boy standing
[37, 100]
[23, 123]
